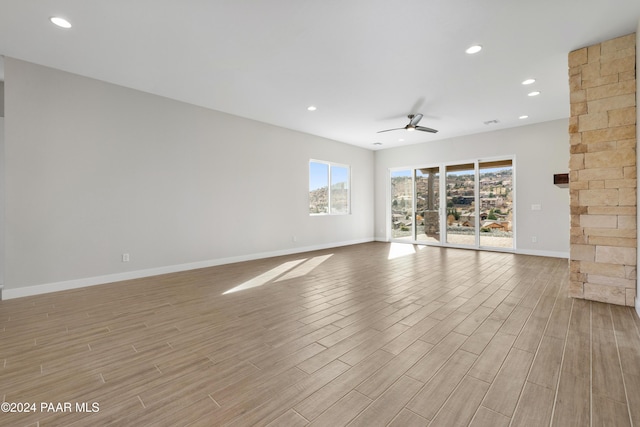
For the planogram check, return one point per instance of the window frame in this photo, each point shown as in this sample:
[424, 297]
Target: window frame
[330, 166]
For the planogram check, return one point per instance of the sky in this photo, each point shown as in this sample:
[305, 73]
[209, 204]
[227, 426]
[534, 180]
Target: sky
[319, 175]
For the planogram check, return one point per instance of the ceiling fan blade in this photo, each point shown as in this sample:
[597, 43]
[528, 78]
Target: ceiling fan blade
[417, 106]
[415, 118]
[389, 130]
[425, 129]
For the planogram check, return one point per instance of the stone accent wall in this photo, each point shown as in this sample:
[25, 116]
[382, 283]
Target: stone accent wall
[603, 195]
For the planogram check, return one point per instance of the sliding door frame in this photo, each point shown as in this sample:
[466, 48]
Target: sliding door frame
[442, 167]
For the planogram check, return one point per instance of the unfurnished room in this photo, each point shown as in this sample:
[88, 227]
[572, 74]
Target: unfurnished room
[292, 213]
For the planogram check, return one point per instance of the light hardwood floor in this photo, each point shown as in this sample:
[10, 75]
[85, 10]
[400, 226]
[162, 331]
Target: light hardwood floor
[440, 337]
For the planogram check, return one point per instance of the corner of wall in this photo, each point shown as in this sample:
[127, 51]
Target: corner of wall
[1, 97]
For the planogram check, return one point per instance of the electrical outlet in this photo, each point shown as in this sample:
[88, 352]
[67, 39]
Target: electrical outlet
[294, 238]
[534, 239]
[125, 257]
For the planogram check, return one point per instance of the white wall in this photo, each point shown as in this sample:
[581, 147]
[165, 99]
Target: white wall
[540, 150]
[95, 170]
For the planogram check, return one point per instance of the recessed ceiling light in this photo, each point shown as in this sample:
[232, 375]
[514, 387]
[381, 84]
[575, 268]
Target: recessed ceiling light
[474, 49]
[311, 108]
[529, 81]
[401, 140]
[534, 93]
[60, 22]
[491, 122]
[523, 117]
[377, 143]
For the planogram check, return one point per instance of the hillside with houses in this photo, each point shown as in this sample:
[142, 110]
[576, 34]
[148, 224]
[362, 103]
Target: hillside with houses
[495, 208]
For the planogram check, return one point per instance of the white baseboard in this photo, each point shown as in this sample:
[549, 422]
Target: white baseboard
[66, 285]
[552, 254]
[638, 306]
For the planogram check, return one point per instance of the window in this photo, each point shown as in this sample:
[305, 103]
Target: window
[328, 188]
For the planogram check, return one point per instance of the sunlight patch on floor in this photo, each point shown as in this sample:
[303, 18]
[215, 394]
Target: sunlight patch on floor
[266, 277]
[285, 271]
[397, 250]
[304, 268]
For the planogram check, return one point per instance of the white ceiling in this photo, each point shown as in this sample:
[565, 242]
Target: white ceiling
[365, 64]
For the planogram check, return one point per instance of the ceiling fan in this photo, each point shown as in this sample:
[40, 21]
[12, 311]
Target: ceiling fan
[413, 125]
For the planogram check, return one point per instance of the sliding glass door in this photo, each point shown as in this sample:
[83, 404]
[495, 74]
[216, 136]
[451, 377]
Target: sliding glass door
[472, 206]
[402, 204]
[461, 205]
[496, 203]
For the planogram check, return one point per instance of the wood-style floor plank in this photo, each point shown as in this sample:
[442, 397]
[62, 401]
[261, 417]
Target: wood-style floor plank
[536, 406]
[342, 336]
[463, 403]
[430, 398]
[345, 409]
[505, 390]
[389, 404]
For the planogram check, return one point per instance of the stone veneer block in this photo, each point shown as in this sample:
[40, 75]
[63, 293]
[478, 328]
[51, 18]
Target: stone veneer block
[631, 272]
[600, 173]
[610, 294]
[613, 89]
[616, 255]
[609, 134]
[607, 104]
[604, 210]
[620, 183]
[583, 252]
[599, 81]
[600, 268]
[593, 121]
[617, 65]
[608, 159]
[608, 232]
[602, 146]
[627, 197]
[604, 221]
[610, 281]
[630, 171]
[627, 221]
[622, 117]
[619, 43]
[631, 297]
[599, 197]
[576, 161]
[603, 171]
[626, 143]
[578, 57]
[611, 241]
[576, 289]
